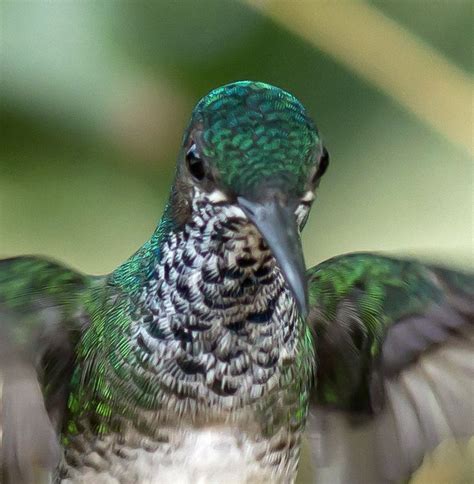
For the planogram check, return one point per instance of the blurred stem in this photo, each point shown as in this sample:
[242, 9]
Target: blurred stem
[387, 55]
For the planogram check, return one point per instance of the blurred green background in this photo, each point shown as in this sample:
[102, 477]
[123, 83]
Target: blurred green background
[95, 96]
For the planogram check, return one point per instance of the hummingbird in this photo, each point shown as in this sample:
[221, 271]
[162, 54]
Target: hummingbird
[212, 354]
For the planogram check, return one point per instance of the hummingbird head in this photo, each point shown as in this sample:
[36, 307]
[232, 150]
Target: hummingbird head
[251, 151]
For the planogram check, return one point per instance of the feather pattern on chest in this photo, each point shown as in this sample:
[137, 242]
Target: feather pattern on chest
[213, 339]
[216, 316]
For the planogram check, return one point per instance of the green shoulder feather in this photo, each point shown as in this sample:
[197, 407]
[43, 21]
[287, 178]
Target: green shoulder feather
[43, 312]
[394, 341]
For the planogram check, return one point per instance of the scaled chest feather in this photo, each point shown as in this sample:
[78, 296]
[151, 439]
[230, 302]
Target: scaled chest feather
[215, 353]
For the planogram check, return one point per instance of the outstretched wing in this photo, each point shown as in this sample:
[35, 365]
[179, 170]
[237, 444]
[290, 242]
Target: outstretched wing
[41, 319]
[395, 346]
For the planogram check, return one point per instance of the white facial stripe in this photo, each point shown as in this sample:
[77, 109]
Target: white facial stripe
[308, 196]
[235, 211]
[217, 196]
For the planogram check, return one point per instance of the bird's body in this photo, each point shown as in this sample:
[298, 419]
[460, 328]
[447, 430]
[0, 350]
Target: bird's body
[196, 360]
[216, 333]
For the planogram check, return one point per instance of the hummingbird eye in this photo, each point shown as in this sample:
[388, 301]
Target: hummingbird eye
[195, 163]
[322, 166]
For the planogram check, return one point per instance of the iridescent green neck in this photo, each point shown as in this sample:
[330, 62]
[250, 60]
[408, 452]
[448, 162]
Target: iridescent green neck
[136, 270]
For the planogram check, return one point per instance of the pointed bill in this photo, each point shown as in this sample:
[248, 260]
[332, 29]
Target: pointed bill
[277, 224]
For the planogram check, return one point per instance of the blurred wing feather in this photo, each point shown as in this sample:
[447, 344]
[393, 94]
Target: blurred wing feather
[395, 374]
[41, 319]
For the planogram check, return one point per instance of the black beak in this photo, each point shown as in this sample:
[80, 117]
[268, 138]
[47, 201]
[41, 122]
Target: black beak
[277, 224]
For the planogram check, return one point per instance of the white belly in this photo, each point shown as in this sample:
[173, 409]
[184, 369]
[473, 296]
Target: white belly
[198, 456]
[204, 457]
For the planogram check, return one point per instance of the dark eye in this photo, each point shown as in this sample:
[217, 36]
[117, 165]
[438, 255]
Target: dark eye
[195, 163]
[323, 165]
